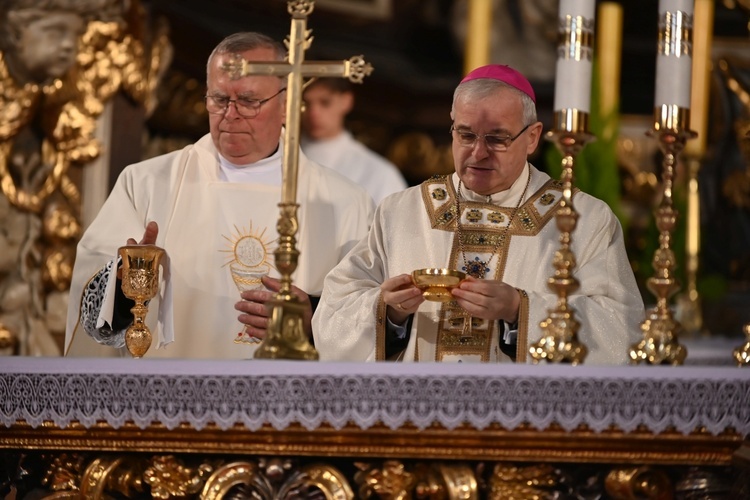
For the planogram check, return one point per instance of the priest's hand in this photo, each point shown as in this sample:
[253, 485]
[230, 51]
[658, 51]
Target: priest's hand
[149, 235]
[402, 297]
[488, 299]
[255, 314]
[149, 238]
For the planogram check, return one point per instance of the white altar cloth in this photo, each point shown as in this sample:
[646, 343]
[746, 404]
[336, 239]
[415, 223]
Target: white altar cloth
[284, 393]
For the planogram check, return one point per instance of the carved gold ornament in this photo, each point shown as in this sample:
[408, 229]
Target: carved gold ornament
[169, 477]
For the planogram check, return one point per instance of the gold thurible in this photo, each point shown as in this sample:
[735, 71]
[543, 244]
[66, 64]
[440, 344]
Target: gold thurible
[559, 342]
[660, 329]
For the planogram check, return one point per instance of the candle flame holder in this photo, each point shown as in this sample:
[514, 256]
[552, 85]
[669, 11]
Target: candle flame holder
[140, 283]
[660, 329]
[559, 342]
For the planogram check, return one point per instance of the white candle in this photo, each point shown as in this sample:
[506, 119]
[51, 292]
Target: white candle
[703, 27]
[608, 53]
[575, 55]
[478, 33]
[674, 54]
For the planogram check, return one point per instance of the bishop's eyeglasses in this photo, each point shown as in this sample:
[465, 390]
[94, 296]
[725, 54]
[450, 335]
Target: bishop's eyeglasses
[493, 142]
[246, 108]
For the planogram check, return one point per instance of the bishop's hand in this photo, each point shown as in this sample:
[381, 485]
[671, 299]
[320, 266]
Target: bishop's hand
[488, 299]
[402, 297]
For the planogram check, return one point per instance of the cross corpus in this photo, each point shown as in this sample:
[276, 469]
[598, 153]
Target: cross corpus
[285, 336]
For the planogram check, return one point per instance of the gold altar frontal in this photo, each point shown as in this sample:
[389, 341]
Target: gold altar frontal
[140, 429]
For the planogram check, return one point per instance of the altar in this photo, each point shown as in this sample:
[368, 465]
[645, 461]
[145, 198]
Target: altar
[156, 428]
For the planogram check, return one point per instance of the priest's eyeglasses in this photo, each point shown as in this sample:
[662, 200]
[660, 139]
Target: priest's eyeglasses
[468, 139]
[246, 108]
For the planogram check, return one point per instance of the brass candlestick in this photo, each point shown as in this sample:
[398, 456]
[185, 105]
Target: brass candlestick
[688, 309]
[660, 329]
[140, 282]
[285, 336]
[742, 353]
[560, 340]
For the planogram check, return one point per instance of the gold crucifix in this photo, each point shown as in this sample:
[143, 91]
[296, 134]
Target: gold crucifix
[285, 336]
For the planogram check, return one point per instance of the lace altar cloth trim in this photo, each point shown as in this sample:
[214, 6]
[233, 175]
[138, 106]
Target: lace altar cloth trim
[281, 393]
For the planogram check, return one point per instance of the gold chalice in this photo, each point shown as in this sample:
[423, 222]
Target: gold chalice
[436, 283]
[248, 279]
[140, 282]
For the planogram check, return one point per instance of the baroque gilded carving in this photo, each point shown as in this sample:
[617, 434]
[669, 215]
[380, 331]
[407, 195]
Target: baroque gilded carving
[532, 482]
[73, 475]
[100, 475]
[60, 62]
[638, 482]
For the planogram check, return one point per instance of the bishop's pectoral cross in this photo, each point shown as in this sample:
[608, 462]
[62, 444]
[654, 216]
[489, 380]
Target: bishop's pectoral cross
[285, 336]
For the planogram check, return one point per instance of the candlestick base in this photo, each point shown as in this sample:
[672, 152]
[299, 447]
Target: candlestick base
[742, 353]
[285, 336]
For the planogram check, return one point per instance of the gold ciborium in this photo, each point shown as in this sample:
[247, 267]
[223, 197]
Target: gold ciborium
[436, 283]
[140, 282]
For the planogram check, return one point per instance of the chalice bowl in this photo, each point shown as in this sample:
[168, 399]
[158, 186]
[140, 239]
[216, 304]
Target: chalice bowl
[248, 278]
[140, 283]
[436, 283]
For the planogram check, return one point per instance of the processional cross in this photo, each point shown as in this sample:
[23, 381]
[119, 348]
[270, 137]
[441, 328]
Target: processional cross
[285, 336]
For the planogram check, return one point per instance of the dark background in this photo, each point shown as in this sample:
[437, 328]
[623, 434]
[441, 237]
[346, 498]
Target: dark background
[417, 59]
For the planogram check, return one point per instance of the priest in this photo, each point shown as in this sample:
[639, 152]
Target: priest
[213, 206]
[493, 220]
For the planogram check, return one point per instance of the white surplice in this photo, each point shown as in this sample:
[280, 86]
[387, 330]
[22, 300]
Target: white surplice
[352, 159]
[209, 226]
[416, 229]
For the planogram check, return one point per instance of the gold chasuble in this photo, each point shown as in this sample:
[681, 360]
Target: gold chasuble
[486, 230]
[418, 228]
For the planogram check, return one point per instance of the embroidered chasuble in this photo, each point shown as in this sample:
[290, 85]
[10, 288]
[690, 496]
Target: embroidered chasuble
[216, 234]
[416, 229]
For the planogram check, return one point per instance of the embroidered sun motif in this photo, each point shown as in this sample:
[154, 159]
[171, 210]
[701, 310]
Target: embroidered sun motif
[248, 262]
[249, 253]
[248, 248]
